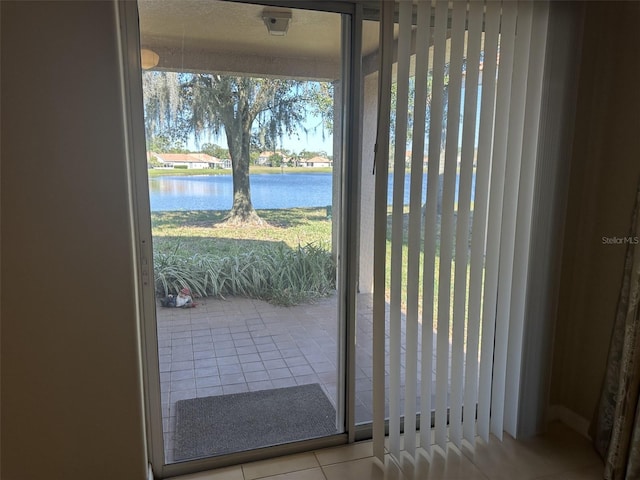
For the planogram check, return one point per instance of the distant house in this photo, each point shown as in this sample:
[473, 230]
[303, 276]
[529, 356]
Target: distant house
[212, 161]
[264, 158]
[189, 160]
[317, 162]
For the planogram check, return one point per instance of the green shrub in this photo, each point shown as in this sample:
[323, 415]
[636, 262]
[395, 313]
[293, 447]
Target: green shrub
[275, 273]
[154, 162]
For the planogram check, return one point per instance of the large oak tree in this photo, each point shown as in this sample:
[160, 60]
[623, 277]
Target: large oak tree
[177, 105]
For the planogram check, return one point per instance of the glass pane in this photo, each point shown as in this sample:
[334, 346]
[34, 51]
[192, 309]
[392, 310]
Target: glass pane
[239, 108]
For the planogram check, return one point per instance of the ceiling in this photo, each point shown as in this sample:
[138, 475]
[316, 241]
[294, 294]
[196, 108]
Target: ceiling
[230, 37]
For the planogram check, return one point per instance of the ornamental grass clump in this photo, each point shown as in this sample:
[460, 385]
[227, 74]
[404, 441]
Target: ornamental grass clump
[275, 273]
[174, 272]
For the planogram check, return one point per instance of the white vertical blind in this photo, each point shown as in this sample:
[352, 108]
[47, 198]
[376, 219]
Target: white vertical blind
[395, 320]
[423, 23]
[433, 187]
[474, 40]
[524, 215]
[509, 208]
[381, 167]
[479, 225]
[496, 187]
[477, 82]
[428, 267]
[447, 220]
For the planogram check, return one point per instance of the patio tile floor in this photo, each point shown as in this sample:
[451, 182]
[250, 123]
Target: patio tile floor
[240, 345]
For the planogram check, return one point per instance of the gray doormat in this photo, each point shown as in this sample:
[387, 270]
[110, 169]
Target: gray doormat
[244, 421]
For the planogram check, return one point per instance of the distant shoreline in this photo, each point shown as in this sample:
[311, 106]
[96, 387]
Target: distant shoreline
[161, 172]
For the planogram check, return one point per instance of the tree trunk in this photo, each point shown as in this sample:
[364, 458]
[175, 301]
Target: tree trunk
[242, 211]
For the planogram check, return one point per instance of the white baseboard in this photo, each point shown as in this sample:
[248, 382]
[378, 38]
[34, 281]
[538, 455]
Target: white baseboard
[570, 418]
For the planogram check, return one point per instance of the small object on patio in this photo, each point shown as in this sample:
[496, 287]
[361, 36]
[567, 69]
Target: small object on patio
[168, 301]
[184, 299]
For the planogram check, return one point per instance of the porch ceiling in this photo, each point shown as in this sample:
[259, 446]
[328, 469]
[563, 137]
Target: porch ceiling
[228, 37]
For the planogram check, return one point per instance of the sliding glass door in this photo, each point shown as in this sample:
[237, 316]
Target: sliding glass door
[248, 152]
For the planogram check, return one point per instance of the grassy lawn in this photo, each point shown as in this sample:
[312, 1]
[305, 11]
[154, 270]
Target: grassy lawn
[157, 172]
[202, 232]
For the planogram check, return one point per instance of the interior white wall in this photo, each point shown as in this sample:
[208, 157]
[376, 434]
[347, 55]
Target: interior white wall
[71, 397]
[603, 180]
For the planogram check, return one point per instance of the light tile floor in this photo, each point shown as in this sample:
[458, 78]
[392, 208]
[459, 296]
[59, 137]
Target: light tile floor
[239, 345]
[560, 454]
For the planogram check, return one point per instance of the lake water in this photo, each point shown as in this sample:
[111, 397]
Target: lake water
[215, 192]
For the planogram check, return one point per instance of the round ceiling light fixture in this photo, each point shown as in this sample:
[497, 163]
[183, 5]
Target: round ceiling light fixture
[148, 58]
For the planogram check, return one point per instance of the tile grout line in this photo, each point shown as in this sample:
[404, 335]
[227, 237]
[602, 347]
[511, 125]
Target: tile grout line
[471, 460]
[324, 475]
